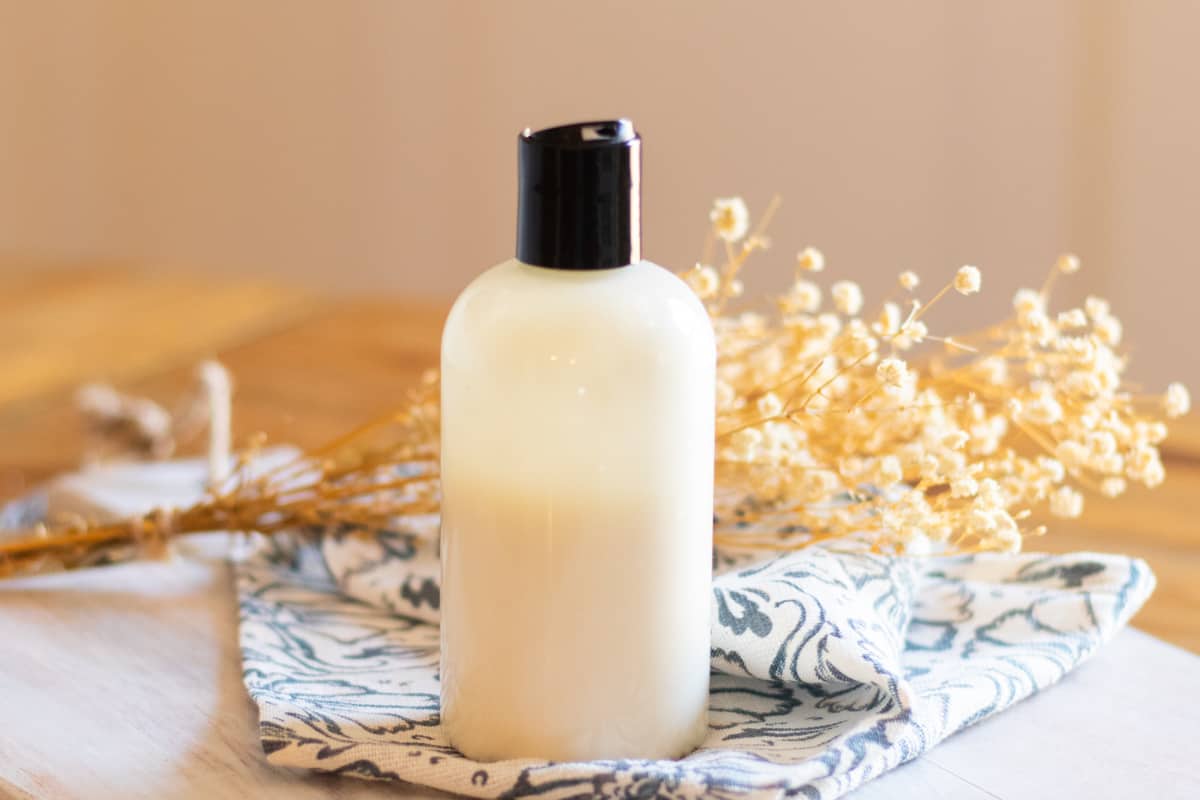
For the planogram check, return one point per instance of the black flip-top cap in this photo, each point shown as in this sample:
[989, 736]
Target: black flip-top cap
[579, 196]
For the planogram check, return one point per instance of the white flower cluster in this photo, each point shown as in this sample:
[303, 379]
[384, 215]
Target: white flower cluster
[842, 423]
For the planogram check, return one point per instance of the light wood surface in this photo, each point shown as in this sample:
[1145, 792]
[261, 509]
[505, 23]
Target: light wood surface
[125, 683]
[56, 330]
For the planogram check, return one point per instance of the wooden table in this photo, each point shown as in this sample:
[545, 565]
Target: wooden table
[125, 682]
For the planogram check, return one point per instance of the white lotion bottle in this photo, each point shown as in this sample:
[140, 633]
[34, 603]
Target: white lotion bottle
[577, 434]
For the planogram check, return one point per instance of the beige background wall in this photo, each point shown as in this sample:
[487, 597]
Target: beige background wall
[363, 145]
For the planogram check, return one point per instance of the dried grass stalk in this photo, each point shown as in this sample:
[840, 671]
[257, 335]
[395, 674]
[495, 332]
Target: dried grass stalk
[363, 481]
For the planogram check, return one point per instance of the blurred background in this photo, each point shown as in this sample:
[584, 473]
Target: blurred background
[301, 187]
[365, 146]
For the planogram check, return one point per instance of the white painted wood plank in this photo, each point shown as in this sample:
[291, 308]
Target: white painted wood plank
[920, 780]
[126, 682]
[1122, 725]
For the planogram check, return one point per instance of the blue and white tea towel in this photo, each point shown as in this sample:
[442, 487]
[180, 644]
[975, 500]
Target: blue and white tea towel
[829, 669]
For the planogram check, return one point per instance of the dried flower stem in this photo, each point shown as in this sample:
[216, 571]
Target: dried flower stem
[365, 480]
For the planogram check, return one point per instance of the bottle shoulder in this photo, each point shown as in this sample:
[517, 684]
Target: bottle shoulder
[637, 300]
[645, 278]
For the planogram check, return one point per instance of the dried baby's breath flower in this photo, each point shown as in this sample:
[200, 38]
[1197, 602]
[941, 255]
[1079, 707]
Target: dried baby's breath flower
[745, 443]
[805, 296]
[1065, 502]
[1074, 318]
[968, 280]
[1097, 308]
[990, 495]
[909, 280]
[1177, 401]
[1007, 536]
[727, 398]
[991, 369]
[911, 334]
[1039, 327]
[964, 486]
[954, 440]
[1052, 468]
[730, 218]
[1067, 264]
[810, 259]
[847, 297]
[1143, 464]
[1112, 487]
[1027, 301]
[1108, 330]
[704, 280]
[891, 372]
[981, 523]
[997, 426]
[889, 320]
[769, 405]
[888, 471]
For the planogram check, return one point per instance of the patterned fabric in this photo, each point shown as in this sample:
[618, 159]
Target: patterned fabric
[828, 669]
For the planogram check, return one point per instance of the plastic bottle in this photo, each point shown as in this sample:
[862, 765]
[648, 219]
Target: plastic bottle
[577, 455]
